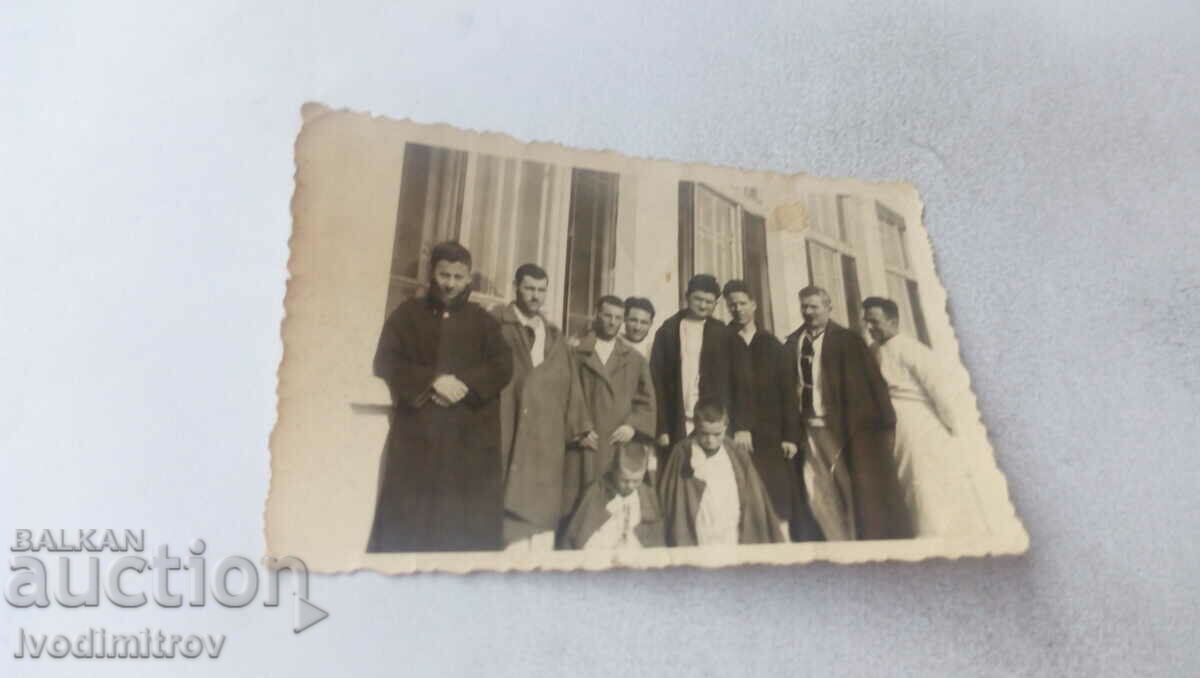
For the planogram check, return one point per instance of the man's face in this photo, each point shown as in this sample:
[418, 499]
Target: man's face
[531, 294]
[700, 304]
[451, 278]
[627, 482]
[608, 321]
[741, 308]
[637, 324]
[880, 327]
[709, 435]
[815, 311]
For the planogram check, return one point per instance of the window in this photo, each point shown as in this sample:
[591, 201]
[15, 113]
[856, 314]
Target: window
[591, 245]
[506, 222]
[506, 211]
[902, 288]
[754, 266]
[718, 240]
[431, 200]
[831, 262]
[718, 236]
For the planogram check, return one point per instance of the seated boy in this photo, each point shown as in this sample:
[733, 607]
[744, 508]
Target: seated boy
[710, 491]
[619, 510]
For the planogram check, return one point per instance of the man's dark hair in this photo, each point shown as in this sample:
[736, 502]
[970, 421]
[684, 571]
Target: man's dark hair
[704, 282]
[530, 271]
[737, 286]
[450, 251]
[889, 307]
[640, 302]
[709, 410]
[610, 300]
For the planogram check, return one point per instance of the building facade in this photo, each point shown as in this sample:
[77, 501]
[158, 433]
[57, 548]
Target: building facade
[600, 232]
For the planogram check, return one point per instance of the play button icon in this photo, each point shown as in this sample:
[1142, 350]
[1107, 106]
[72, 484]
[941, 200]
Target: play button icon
[307, 614]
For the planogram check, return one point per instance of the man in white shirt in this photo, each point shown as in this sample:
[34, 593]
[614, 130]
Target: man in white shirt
[542, 413]
[693, 358]
[849, 422]
[639, 317]
[929, 459]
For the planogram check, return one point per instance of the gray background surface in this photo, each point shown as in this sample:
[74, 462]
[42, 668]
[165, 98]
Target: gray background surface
[145, 174]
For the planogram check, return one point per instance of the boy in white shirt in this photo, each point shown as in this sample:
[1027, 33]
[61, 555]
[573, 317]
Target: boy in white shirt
[619, 510]
[710, 491]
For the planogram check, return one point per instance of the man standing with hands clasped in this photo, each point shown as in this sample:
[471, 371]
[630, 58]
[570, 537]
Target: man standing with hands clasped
[445, 362]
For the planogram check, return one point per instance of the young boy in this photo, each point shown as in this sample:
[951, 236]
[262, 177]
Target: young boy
[619, 510]
[710, 492]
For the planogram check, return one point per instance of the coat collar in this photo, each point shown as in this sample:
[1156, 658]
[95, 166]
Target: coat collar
[508, 316]
[587, 349]
[737, 331]
[685, 447]
[710, 322]
[735, 460]
[435, 302]
[831, 328]
[593, 515]
[588, 345]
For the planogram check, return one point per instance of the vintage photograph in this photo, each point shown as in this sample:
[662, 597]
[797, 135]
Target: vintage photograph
[500, 355]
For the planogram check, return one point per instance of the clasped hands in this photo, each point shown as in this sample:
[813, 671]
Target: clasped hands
[448, 390]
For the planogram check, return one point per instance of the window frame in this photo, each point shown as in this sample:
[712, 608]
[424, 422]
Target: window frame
[887, 218]
[552, 247]
[845, 245]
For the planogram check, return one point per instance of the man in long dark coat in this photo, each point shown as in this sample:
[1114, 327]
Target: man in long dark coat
[850, 426]
[542, 413]
[773, 415]
[692, 359]
[619, 392]
[445, 362]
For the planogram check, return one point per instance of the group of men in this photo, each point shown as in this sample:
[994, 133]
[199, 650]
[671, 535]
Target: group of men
[506, 434]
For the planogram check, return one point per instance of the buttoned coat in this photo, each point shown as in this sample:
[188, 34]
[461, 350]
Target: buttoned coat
[440, 477]
[617, 392]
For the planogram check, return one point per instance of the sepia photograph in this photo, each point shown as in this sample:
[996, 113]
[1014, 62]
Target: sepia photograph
[501, 355]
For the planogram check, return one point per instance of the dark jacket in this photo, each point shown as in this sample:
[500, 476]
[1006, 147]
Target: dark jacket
[440, 482]
[773, 413]
[858, 411]
[774, 417]
[724, 374]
